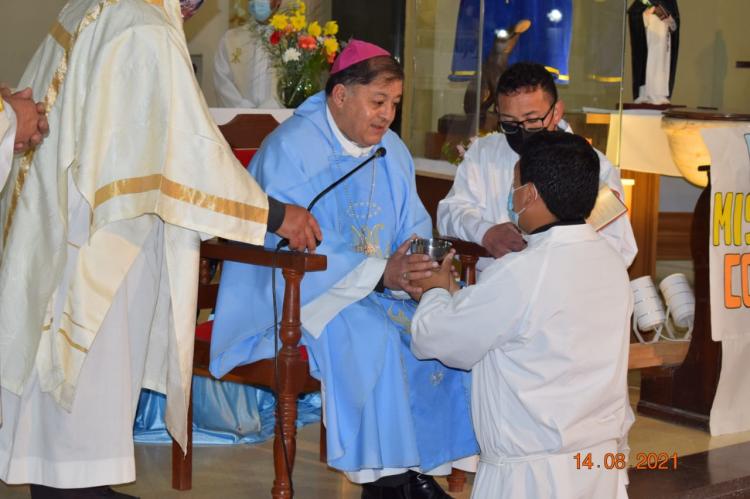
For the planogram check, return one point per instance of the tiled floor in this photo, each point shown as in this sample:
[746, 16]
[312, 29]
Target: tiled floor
[247, 471]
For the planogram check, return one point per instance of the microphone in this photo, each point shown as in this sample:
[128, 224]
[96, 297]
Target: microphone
[379, 153]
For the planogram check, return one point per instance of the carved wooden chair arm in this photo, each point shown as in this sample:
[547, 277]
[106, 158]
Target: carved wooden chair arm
[469, 254]
[258, 255]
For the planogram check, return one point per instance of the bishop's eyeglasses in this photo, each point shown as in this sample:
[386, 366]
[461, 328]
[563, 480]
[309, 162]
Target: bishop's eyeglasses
[530, 125]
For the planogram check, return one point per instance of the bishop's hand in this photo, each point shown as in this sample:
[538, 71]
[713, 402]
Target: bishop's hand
[402, 268]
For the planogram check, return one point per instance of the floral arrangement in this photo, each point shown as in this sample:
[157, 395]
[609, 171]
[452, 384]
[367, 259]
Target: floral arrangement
[300, 51]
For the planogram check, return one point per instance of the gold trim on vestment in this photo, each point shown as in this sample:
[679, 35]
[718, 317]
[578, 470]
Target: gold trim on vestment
[139, 185]
[71, 342]
[61, 36]
[51, 97]
[2, 105]
[66, 314]
[47, 327]
[23, 171]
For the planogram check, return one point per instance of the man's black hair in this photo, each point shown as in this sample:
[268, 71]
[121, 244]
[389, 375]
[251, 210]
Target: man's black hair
[526, 75]
[367, 71]
[565, 170]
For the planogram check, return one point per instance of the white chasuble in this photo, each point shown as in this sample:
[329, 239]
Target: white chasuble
[7, 140]
[131, 134]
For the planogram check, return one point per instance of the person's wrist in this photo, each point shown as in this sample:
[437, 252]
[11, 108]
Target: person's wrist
[276, 213]
[482, 228]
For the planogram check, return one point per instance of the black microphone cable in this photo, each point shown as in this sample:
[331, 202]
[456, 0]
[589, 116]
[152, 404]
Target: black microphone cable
[379, 153]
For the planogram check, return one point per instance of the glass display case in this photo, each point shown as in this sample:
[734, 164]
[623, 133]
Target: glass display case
[455, 51]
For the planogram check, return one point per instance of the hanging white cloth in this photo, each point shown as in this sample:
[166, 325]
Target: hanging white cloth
[729, 270]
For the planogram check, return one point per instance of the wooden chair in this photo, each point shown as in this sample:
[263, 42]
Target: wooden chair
[245, 134]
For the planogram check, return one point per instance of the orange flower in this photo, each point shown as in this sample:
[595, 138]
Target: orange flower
[307, 42]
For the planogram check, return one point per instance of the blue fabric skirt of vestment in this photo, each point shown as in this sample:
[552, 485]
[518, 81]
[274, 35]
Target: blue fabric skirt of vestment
[223, 413]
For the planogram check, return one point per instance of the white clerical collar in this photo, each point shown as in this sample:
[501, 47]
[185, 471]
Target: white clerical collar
[347, 145]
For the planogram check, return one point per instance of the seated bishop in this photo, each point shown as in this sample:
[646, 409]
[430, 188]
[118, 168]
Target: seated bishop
[391, 420]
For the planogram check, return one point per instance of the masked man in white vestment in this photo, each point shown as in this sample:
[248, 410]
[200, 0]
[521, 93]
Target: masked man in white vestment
[243, 74]
[475, 208]
[101, 229]
[545, 332]
[23, 125]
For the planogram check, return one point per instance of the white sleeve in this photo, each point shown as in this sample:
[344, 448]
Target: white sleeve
[459, 330]
[460, 213]
[227, 93]
[619, 234]
[357, 284]
[7, 140]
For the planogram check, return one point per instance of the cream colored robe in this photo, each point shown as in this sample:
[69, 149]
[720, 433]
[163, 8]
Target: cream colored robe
[129, 126]
[7, 139]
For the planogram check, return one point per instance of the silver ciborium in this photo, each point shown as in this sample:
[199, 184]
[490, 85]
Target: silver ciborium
[436, 248]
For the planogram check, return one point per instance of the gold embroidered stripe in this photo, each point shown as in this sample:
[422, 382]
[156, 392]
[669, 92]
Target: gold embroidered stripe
[61, 36]
[77, 323]
[50, 98]
[47, 327]
[70, 342]
[174, 190]
[23, 171]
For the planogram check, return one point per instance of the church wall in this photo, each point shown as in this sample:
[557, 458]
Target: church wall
[23, 25]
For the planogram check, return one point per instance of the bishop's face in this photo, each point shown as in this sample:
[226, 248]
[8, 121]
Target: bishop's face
[363, 113]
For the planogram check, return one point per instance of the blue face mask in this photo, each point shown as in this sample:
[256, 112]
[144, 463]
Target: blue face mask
[511, 211]
[260, 9]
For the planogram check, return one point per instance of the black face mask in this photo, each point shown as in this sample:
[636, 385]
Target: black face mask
[516, 140]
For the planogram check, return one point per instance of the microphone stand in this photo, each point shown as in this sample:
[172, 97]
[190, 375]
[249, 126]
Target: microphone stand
[378, 154]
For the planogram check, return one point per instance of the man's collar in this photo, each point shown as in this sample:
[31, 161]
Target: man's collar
[349, 147]
[545, 228]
